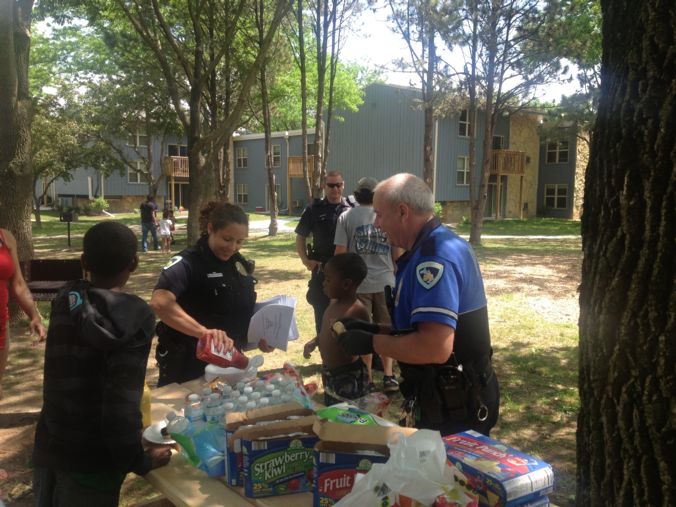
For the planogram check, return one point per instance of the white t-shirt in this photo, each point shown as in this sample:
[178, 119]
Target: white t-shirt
[165, 227]
[355, 230]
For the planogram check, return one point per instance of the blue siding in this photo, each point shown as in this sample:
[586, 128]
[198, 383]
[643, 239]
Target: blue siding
[384, 137]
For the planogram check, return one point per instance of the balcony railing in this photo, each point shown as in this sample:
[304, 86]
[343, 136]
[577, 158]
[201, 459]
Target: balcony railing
[296, 166]
[508, 162]
[176, 167]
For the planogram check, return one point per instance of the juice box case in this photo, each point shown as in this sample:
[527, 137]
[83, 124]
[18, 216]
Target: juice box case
[236, 420]
[277, 458]
[500, 475]
[337, 464]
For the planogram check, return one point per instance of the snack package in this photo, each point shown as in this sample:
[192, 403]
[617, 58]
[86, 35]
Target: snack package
[347, 413]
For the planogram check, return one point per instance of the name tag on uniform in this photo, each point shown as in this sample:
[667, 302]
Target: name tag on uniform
[215, 274]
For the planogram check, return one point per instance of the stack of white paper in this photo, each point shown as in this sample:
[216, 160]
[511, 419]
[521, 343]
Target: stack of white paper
[275, 321]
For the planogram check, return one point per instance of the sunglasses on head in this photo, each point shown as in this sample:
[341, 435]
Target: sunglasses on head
[334, 185]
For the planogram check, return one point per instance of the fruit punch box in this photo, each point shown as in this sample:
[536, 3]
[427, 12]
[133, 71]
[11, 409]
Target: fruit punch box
[500, 475]
[336, 466]
[278, 460]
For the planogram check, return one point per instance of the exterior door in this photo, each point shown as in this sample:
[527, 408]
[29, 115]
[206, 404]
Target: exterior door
[492, 197]
[181, 194]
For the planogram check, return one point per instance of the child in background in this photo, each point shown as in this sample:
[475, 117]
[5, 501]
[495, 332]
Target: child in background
[88, 435]
[166, 226]
[342, 374]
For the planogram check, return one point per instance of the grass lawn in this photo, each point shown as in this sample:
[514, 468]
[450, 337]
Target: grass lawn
[531, 285]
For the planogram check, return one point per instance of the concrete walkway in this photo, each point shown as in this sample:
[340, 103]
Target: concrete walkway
[261, 226]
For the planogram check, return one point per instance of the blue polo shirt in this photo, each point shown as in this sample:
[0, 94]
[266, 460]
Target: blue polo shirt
[439, 280]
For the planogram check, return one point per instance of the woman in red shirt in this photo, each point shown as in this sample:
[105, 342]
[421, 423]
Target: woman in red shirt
[11, 280]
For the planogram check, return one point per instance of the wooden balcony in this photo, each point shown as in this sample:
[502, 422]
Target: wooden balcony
[508, 162]
[176, 167]
[295, 169]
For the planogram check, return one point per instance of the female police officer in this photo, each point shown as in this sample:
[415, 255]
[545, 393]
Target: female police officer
[205, 289]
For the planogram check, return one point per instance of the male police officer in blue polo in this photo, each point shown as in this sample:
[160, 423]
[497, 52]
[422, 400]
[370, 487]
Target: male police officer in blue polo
[319, 220]
[439, 331]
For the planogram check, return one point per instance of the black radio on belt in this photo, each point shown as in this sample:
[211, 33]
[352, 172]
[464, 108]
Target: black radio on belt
[453, 389]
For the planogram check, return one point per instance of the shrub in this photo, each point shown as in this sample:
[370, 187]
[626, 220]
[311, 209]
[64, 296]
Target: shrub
[438, 210]
[96, 206]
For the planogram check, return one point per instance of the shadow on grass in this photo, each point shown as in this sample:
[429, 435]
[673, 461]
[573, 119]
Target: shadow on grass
[539, 405]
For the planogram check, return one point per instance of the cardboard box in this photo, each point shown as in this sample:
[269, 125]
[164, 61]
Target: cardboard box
[234, 421]
[499, 474]
[374, 435]
[337, 464]
[277, 457]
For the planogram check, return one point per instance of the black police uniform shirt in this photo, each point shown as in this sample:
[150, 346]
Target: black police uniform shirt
[218, 294]
[319, 219]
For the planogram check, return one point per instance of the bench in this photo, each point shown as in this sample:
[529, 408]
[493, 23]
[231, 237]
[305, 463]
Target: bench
[46, 276]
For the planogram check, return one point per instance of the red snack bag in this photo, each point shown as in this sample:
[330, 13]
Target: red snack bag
[206, 351]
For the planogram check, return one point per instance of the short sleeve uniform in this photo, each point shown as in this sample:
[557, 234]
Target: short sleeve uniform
[439, 280]
[217, 294]
[319, 220]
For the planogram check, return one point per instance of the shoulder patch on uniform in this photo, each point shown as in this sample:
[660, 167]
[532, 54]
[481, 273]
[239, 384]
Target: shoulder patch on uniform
[74, 300]
[429, 273]
[173, 261]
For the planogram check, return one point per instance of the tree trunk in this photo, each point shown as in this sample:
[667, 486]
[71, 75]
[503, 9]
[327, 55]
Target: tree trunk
[265, 104]
[626, 435]
[16, 113]
[303, 101]
[428, 97]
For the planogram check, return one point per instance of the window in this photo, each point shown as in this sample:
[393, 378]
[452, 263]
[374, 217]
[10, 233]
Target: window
[498, 142]
[556, 196]
[138, 140]
[463, 123]
[462, 177]
[177, 150]
[136, 175]
[241, 158]
[242, 193]
[276, 155]
[557, 152]
[311, 149]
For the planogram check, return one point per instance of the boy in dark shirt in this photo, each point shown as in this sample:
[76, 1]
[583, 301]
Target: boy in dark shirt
[89, 432]
[342, 374]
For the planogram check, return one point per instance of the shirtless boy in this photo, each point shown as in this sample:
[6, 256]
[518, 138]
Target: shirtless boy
[342, 374]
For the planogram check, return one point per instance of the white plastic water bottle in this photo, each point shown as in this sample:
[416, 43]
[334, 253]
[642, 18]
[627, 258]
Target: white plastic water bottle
[275, 397]
[190, 401]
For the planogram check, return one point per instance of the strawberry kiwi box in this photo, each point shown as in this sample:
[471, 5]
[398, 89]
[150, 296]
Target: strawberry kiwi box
[237, 422]
[277, 457]
[500, 475]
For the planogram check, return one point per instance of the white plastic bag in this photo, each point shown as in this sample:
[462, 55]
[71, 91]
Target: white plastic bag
[416, 469]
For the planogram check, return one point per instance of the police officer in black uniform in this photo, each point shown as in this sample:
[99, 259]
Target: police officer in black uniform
[319, 220]
[205, 289]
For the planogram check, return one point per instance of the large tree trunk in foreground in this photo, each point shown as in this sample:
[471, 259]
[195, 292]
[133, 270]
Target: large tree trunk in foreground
[626, 440]
[16, 111]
